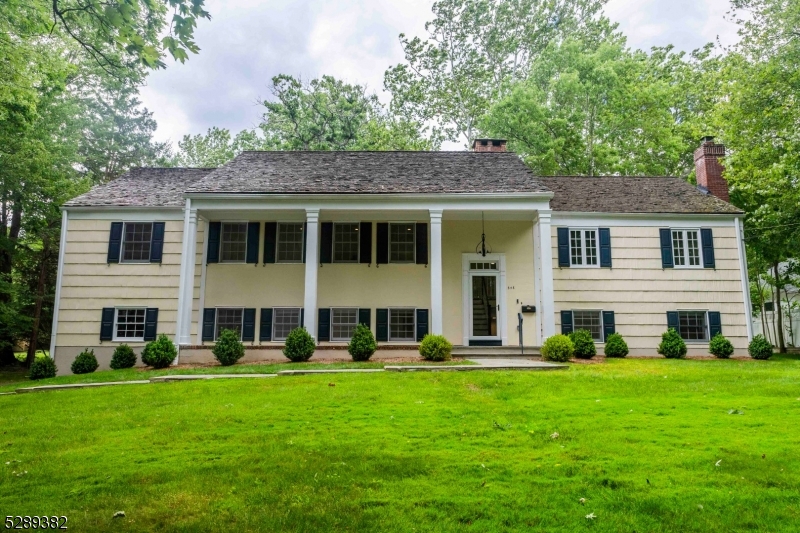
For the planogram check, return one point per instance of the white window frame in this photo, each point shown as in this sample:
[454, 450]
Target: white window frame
[583, 231]
[358, 244]
[413, 245]
[413, 328]
[275, 321]
[278, 242]
[122, 244]
[705, 325]
[115, 338]
[222, 232]
[685, 240]
[332, 338]
[216, 320]
[602, 324]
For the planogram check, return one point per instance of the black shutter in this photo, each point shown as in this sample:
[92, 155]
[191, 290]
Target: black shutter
[666, 248]
[326, 242]
[214, 229]
[302, 317]
[249, 325]
[714, 324]
[324, 325]
[422, 324]
[364, 316]
[382, 235]
[270, 241]
[422, 243]
[605, 247]
[251, 256]
[265, 328]
[209, 316]
[365, 243]
[672, 320]
[114, 242]
[157, 242]
[150, 323]
[381, 324]
[566, 322]
[305, 240]
[107, 324]
[609, 327]
[563, 247]
[708, 248]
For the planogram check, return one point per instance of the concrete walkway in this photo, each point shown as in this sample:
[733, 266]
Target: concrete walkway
[494, 363]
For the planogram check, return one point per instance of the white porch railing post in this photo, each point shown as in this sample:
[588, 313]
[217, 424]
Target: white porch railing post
[545, 254]
[436, 271]
[188, 260]
[312, 266]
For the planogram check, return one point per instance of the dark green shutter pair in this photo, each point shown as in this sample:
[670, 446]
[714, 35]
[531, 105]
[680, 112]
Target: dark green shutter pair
[609, 325]
[324, 322]
[214, 233]
[714, 322]
[707, 238]
[271, 241]
[604, 245]
[364, 242]
[107, 324]
[382, 324]
[420, 238]
[248, 324]
[115, 242]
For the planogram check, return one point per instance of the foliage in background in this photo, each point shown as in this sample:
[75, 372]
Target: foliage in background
[435, 348]
[228, 349]
[362, 345]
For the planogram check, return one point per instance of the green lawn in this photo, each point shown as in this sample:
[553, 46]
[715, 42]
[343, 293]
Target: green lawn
[652, 445]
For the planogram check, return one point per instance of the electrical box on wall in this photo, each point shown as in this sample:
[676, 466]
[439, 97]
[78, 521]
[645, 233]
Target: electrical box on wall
[528, 308]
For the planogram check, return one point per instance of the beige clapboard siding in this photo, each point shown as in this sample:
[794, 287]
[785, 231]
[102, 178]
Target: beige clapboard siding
[640, 291]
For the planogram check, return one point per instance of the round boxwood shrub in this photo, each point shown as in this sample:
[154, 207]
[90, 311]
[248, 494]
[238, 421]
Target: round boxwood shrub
[616, 346]
[558, 348]
[43, 368]
[435, 348]
[720, 347]
[362, 344]
[760, 347]
[159, 353]
[672, 345]
[85, 363]
[123, 357]
[584, 344]
[299, 345]
[228, 348]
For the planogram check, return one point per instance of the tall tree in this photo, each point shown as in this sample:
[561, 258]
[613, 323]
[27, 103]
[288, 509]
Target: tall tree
[215, 148]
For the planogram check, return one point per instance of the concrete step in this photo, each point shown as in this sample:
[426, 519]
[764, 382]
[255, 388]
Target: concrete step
[495, 351]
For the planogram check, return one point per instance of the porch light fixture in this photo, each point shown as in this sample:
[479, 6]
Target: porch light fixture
[482, 245]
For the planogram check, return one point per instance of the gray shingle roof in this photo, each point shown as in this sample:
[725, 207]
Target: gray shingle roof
[150, 187]
[370, 172]
[631, 194]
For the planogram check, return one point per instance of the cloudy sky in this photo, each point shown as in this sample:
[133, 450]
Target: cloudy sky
[248, 41]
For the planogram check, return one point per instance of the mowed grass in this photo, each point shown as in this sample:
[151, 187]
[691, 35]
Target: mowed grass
[651, 445]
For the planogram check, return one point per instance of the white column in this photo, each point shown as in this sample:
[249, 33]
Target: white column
[748, 307]
[545, 249]
[186, 286]
[60, 275]
[436, 271]
[312, 266]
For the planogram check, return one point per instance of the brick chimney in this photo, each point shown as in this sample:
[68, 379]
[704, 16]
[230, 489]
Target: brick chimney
[489, 145]
[709, 169]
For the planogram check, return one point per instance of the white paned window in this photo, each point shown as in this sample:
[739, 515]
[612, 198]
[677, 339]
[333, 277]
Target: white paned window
[345, 242]
[583, 247]
[591, 321]
[229, 318]
[284, 320]
[483, 266]
[401, 243]
[343, 323]
[686, 247]
[692, 325]
[234, 242]
[290, 242]
[129, 324]
[136, 242]
[401, 325]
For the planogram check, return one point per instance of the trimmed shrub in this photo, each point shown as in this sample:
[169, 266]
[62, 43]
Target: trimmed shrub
[584, 344]
[720, 347]
[672, 345]
[558, 348]
[435, 348]
[228, 348]
[123, 357]
[362, 344]
[85, 363]
[159, 353]
[760, 347]
[616, 346]
[43, 368]
[299, 345]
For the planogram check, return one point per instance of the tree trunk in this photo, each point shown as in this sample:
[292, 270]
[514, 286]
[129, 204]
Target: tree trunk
[37, 312]
[781, 342]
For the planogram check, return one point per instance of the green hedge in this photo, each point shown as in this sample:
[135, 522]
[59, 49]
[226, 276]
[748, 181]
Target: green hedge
[558, 348]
